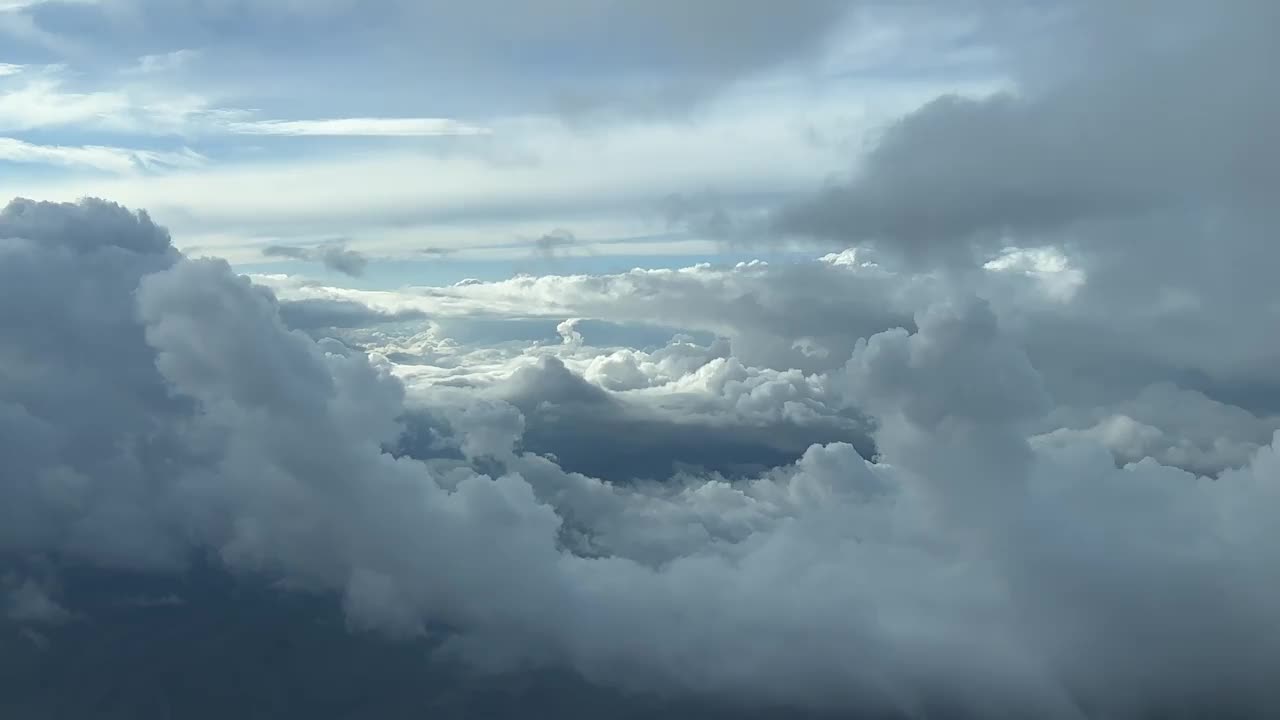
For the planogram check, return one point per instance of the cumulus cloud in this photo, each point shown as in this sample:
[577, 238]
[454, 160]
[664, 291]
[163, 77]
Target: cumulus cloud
[1129, 161]
[1093, 351]
[154, 406]
[1177, 427]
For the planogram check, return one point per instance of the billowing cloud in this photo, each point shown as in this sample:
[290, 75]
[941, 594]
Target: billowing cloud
[155, 407]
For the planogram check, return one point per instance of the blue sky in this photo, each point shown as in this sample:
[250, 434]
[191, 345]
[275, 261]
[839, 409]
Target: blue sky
[468, 131]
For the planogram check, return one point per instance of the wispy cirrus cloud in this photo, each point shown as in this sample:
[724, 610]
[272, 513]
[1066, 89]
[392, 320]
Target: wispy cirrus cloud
[357, 127]
[97, 157]
[45, 102]
[14, 5]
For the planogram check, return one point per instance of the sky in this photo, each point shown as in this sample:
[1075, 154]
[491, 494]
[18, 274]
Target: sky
[608, 358]
[404, 128]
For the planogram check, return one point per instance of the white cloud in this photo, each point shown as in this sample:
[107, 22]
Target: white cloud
[358, 127]
[165, 62]
[487, 182]
[793, 315]
[111, 159]
[41, 102]
[15, 5]
[528, 174]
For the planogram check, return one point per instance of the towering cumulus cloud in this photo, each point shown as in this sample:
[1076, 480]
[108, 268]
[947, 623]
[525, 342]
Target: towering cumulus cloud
[155, 409]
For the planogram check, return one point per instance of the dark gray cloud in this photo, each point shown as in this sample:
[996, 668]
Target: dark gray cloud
[332, 255]
[1121, 110]
[549, 245]
[347, 262]
[82, 407]
[287, 251]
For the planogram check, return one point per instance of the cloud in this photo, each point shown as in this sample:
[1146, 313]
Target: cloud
[807, 316]
[317, 314]
[165, 62]
[332, 255]
[703, 214]
[153, 407]
[1178, 427]
[669, 55]
[14, 6]
[357, 127]
[28, 602]
[1105, 123]
[347, 262]
[287, 251]
[111, 159]
[549, 244]
[529, 175]
[42, 102]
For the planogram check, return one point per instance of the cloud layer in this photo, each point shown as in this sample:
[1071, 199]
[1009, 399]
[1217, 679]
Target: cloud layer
[971, 569]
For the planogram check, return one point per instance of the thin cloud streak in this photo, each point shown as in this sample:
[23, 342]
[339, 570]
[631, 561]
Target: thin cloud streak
[359, 127]
[97, 157]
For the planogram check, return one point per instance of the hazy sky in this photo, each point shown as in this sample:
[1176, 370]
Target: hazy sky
[478, 128]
